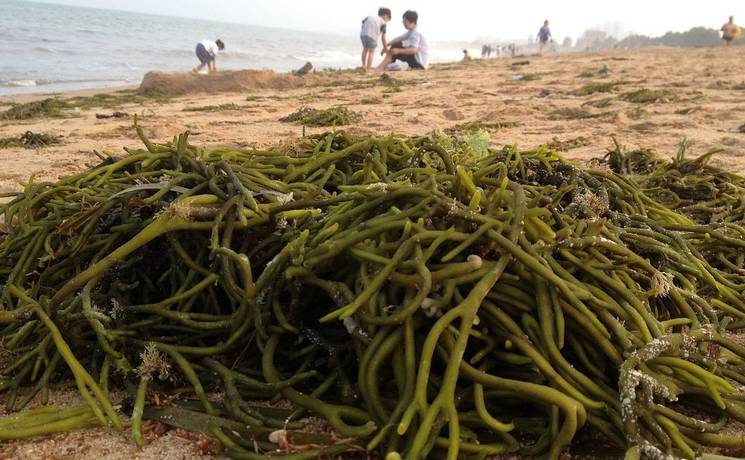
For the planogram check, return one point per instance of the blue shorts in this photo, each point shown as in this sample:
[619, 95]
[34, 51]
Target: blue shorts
[368, 43]
[203, 55]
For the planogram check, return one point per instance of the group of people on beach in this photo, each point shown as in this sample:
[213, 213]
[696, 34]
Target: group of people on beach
[498, 50]
[410, 48]
[543, 37]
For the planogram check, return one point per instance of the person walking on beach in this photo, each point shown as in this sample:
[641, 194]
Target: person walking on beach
[410, 47]
[372, 28]
[206, 53]
[729, 32]
[544, 35]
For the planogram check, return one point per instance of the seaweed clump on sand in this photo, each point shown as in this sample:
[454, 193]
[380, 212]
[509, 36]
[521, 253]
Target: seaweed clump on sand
[707, 194]
[573, 113]
[54, 107]
[115, 99]
[637, 113]
[214, 108]
[649, 96]
[423, 298]
[51, 107]
[29, 140]
[569, 144]
[471, 127]
[592, 88]
[334, 116]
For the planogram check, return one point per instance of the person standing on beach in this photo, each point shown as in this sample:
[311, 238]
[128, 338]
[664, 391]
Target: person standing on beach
[544, 35]
[372, 28]
[207, 53]
[729, 31]
[410, 47]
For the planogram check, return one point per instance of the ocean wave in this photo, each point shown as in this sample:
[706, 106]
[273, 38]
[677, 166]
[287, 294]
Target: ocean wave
[181, 53]
[21, 83]
[324, 56]
[76, 50]
[30, 83]
[18, 83]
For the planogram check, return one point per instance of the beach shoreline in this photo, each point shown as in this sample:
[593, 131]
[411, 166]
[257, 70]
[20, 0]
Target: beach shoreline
[21, 98]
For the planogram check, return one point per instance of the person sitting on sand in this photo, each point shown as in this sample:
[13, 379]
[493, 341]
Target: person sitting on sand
[372, 28]
[729, 31]
[467, 56]
[544, 35]
[207, 53]
[410, 47]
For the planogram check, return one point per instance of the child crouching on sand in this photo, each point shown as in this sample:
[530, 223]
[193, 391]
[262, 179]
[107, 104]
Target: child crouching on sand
[410, 47]
[207, 53]
[372, 28]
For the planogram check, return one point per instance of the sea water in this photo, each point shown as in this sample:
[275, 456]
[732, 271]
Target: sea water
[51, 48]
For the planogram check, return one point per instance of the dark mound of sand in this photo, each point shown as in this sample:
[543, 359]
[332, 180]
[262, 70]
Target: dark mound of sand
[221, 82]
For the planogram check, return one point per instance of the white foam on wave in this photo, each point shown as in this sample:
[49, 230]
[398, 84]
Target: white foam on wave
[18, 83]
[325, 56]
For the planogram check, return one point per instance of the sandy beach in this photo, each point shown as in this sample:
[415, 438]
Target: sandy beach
[705, 108]
[539, 99]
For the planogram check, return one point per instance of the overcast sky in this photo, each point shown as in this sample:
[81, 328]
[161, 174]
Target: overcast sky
[452, 20]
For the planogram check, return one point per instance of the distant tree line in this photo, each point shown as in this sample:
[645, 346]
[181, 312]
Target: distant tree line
[697, 37]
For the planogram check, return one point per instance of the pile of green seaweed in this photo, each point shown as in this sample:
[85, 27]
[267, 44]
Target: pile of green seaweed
[425, 299]
[333, 116]
[29, 140]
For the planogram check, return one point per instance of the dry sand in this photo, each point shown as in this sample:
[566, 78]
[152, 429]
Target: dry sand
[706, 81]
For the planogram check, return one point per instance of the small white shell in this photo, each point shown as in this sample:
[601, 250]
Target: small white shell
[278, 436]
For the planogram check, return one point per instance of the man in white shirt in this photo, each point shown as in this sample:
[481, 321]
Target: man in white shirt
[206, 53]
[373, 27]
[410, 47]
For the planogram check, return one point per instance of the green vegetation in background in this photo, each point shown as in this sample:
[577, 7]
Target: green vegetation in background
[697, 37]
